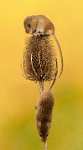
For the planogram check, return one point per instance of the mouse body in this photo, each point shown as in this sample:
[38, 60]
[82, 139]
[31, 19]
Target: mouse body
[44, 114]
[44, 26]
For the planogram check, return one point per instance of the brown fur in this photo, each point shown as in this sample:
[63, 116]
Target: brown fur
[44, 114]
[39, 25]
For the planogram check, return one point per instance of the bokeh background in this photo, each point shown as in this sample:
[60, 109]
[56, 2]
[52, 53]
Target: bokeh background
[18, 96]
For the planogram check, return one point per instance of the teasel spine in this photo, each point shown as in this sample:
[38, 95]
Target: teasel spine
[41, 83]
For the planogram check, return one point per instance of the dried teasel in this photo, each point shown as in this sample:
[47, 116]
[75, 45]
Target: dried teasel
[39, 61]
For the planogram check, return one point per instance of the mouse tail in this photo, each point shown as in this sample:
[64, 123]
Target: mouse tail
[60, 54]
[55, 75]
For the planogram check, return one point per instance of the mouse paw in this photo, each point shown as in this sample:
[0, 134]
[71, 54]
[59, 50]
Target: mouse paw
[38, 33]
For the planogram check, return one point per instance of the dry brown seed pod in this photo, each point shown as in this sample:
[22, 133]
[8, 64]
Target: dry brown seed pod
[39, 62]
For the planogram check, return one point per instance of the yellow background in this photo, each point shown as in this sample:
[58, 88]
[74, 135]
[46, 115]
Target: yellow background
[18, 96]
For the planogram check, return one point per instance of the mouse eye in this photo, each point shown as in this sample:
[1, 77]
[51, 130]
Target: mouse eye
[28, 25]
[41, 135]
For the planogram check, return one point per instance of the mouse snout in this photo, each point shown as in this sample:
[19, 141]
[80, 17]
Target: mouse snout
[43, 131]
[43, 137]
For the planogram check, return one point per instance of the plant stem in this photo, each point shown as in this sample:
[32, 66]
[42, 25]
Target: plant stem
[41, 85]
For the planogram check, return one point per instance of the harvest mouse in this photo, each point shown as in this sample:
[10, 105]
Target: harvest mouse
[41, 25]
[44, 114]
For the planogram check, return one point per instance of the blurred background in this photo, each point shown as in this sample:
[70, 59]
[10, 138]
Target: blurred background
[19, 96]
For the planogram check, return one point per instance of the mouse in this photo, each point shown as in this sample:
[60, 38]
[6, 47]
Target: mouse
[44, 110]
[40, 25]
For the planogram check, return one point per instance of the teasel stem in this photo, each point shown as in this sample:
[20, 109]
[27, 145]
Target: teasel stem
[41, 85]
[45, 145]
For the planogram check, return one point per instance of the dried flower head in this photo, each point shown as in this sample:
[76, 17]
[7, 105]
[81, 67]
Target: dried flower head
[39, 62]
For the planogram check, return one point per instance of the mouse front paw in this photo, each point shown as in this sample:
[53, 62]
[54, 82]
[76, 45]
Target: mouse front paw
[38, 33]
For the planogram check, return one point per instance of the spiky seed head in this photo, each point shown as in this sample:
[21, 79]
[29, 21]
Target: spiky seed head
[39, 63]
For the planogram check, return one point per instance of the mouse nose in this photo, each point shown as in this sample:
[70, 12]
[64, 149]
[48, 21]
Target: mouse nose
[43, 137]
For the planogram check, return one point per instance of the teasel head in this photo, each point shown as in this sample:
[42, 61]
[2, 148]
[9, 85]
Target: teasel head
[39, 62]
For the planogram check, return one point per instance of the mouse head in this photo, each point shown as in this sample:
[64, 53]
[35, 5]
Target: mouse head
[30, 24]
[43, 129]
